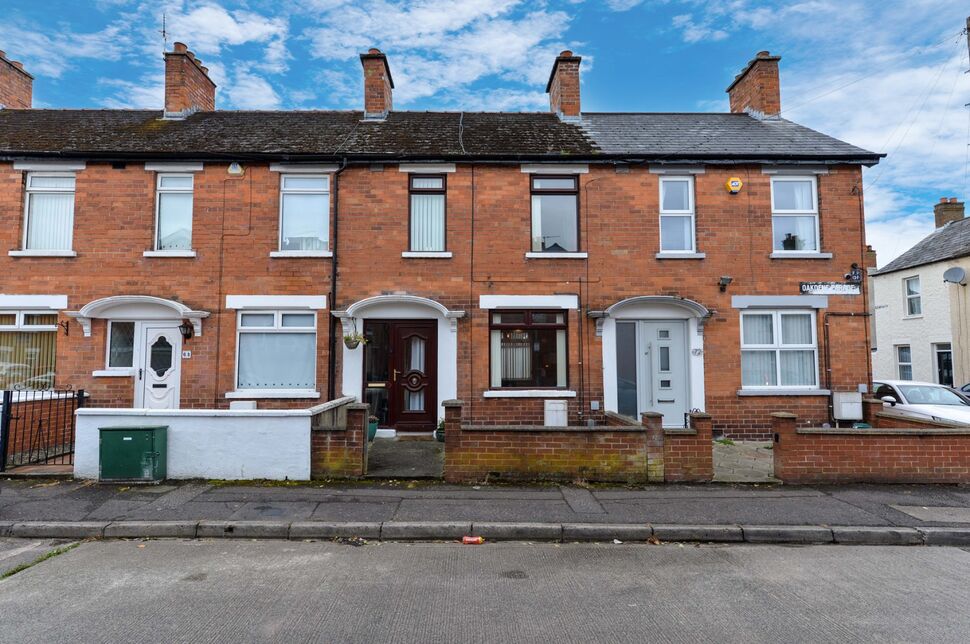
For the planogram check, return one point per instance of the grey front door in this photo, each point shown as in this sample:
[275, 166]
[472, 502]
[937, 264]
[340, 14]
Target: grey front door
[652, 369]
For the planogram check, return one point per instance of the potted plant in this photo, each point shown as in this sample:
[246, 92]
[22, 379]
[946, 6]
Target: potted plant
[371, 427]
[354, 340]
[439, 434]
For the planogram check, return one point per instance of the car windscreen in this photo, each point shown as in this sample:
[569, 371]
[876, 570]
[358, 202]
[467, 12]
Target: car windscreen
[923, 395]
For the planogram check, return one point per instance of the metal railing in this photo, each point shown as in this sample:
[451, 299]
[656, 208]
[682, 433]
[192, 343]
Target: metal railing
[37, 427]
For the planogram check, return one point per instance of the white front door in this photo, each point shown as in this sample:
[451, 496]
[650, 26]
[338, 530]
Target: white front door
[159, 368]
[652, 369]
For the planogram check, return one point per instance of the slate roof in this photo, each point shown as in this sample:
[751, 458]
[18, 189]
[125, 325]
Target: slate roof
[949, 242]
[414, 135]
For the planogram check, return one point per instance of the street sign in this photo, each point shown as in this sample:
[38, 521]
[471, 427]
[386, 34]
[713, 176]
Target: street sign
[830, 288]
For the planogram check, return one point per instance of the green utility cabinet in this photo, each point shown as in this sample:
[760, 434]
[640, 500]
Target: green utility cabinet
[133, 453]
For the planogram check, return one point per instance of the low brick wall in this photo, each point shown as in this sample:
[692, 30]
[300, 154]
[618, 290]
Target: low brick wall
[688, 453]
[925, 454]
[338, 441]
[621, 450]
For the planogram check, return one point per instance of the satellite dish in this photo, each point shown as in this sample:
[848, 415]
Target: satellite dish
[955, 275]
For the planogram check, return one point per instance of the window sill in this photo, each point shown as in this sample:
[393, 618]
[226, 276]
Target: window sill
[556, 255]
[168, 253]
[799, 255]
[42, 253]
[416, 254]
[273, 393]
[113, 373]
[301, 253]
[672, 255]
[784, 392]
[529, 393]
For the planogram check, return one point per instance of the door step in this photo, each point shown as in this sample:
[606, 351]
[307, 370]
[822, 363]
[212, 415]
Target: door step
[415, 436]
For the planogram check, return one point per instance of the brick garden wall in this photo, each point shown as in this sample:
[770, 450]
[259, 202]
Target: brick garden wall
[688, 453]
[338, 443]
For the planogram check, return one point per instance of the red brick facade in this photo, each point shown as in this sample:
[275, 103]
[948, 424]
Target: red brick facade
[16, 85]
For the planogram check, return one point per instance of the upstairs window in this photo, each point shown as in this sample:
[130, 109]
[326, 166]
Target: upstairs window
[49, 215]
[28, 343]
[914, 298]
[173, 230]
[304, 213]
[794, 214]
[555, 220]
[427, 213]
[528, 349]
[677, 214]
[778, 349]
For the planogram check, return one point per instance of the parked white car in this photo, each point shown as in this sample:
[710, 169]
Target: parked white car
[923, 400]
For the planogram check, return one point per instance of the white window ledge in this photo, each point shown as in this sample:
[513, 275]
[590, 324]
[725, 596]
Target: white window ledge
[42, 253]
[670, 255]
[168, 253]
[113, 373]
[794, 255]
[273, 393]
[301, 253]
[556, 255]
[423, 254]
[784, 392]
[529, 393]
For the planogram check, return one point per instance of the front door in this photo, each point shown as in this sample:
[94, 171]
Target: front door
[651, 362]
[400, 375]
[944, 364]
[159, 370]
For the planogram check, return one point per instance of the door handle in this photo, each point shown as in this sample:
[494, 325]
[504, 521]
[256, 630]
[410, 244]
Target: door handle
[139, 373]
[395, 374]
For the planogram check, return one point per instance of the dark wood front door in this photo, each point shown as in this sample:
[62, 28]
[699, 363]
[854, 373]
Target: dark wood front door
[400, 375]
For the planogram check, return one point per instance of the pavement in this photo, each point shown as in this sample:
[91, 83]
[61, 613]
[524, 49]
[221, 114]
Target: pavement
[903, 514]
[249, 591]
[744, 462]
[393, 458]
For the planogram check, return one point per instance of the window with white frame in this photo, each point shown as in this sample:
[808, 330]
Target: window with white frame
[28, 342]
[427, 213]
[121, 345]
[778, 349]
[904, 362]
[304, 212]
[555, 214]
[173, 212]
[276, 350]
[913, 293]
[677, 214]
[49, 211]
[794, 214]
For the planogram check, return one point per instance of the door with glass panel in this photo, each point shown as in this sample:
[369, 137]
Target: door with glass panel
[400, 376]
[651, 369]
[158, 375]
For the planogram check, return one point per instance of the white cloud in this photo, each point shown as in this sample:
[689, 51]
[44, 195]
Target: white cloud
[209, 28]
[146, 94]
[249, 91]
[623, 5]
[52, 54]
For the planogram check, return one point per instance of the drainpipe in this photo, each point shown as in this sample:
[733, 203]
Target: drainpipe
[332, 340]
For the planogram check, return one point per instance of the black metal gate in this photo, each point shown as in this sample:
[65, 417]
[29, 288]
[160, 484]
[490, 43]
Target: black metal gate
[37, 427]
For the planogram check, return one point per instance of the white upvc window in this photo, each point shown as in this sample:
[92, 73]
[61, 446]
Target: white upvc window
[779, 349]
[49, 211]
[304, 213]
[276, 350]
[904, 362]
[677, 232]
[120, 347]
[173, 212]
[913, 294]
[794, 215]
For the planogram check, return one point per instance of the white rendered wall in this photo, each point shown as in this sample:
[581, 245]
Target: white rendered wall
[209, 444]
[894, 327]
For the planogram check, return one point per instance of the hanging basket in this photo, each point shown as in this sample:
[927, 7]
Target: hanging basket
[354, 340]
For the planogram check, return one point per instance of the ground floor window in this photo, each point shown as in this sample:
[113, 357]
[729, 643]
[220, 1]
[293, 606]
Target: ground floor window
[276, 350]
[121, 345]
[528, 349]
[27, 349]
[904, 362]
[778, 349]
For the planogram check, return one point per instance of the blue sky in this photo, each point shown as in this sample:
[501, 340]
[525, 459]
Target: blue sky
[885, 75]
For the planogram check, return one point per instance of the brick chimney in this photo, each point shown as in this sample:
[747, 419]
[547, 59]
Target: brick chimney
[757, 89]
[563, 85]
[16, 85]
[870, 257]
[377, 84]
[947, 211]
[188, 87]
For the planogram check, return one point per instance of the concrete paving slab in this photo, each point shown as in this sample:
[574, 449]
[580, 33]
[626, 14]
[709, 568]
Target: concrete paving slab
[58, 529]
[425, 530]
[390, 458]
[786, 534]
[275, 511]
[731, 533]
[151, 529]
[877, 536]
[581, 500]
[243, 529]
[934, 536]
[331, 530]
[517, 531]
[605, 532]
[193, 510]
[344, 511]
[492, 510]
[935, 514]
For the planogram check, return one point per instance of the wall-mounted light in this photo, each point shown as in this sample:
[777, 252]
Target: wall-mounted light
[724, 282]
[186, 329]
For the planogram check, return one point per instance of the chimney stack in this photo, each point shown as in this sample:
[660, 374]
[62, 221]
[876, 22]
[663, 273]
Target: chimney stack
[947, 211]
[563, 86]
[16, 85]
[757, 89]
[188, 87]
[377, 84]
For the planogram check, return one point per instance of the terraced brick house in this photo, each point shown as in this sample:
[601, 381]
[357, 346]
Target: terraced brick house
[549, 267]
